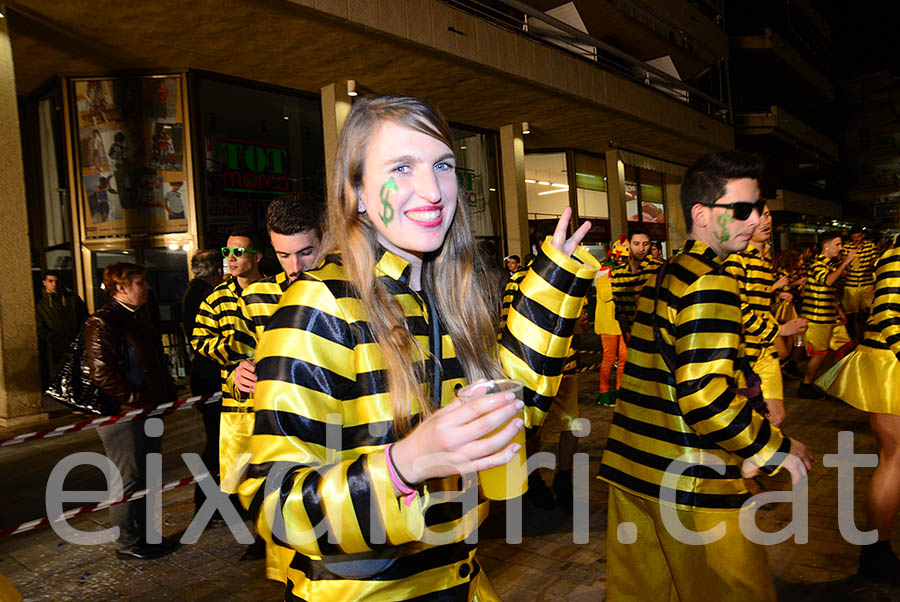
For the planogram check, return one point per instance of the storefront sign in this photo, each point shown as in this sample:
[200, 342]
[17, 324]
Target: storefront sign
[254, 167]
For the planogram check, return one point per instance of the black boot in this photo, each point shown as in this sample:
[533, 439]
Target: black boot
[538, 494]
[256, 550]
[562, 487]
[878, 563]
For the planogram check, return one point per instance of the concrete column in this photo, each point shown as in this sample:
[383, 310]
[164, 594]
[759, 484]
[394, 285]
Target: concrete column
[676, 230]
[515, 205]
[335, 108]
[20, 382]
[615, 191]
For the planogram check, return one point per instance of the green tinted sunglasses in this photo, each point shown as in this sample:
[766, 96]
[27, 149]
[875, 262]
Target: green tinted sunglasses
[237, 251]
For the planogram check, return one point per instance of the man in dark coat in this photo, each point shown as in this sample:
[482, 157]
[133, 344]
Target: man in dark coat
[60, 314]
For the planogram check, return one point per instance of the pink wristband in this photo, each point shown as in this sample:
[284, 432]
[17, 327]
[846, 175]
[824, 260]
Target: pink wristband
[409, 494]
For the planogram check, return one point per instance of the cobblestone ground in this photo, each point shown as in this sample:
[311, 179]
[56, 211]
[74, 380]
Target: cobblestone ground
[545, 566]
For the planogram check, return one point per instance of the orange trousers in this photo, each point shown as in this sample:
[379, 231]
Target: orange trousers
[613, 347]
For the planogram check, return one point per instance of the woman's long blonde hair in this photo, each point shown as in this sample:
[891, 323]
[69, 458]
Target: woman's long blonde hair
[454, 273]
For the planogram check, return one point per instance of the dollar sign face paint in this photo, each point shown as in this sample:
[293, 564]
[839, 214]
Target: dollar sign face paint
[723, 221]
[387, 210]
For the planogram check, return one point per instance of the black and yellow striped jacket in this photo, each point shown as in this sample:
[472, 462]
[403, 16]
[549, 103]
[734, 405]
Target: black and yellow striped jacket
[819, 304]
[663, 421]
[255, 305]
[883, 325]
[753, 271]
[627, 285]
[214, 332]
[509, 294]
[861, 271]
[323, 418]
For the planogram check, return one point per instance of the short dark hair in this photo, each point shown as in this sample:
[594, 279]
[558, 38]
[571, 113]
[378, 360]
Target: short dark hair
[122, 273]
[633, 230]
[206, 263]
[829, 235]
[256, 241]
[705, 180]
[46, 273]
[294, 213]
[516, 257]
[857, 229]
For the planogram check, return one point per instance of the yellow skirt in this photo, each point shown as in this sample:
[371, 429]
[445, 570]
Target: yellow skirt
[868, 379]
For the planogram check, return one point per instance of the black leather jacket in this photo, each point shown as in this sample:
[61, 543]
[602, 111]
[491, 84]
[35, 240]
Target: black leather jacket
[124, 354]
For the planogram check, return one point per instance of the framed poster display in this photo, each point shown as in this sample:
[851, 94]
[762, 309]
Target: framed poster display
[132, 171]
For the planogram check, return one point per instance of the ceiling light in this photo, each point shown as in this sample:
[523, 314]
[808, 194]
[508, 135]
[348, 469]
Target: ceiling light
[351, 87]
[543, 182]
[525, 128]
[553, 191]
[566, 186]
[530, 181]
[463, 147]
[173, 246]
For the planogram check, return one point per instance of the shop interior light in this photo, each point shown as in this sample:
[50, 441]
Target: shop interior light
[173, 246]
[351, 87]
[530, 181]
[566, 189]
[560, 185]
[186, 247]
[525, 128]
[543, 182]
[492, 189]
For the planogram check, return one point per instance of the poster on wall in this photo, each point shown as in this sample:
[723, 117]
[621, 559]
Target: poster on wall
[131, 152]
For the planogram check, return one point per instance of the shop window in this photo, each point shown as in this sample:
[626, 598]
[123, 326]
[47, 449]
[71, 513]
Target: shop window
[167, 273]
[476, 168]
[631, 194]
[255, 144]
[590, 179]
[546, 185]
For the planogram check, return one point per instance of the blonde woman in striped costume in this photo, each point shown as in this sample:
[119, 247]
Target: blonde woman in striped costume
[357, 372]
[869, 379]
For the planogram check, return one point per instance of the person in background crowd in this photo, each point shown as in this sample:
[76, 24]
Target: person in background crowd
[378, 337]
[627, 281]
[859, 281]
[869, 379]
[656, 253]
[679, 398]
[124, 354]
[752, 268]
[60, 315]
[788, 267]
[565, 406]
[216, 320]
[820, 306]
[294, 226]
[512, 263]
[206, 266]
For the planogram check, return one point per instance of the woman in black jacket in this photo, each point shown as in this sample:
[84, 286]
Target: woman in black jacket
[124, 353]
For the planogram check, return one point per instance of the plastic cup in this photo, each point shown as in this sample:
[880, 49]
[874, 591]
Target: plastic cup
[511, 479]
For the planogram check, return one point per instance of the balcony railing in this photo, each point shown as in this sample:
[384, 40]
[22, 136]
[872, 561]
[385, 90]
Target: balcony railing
[524, 19]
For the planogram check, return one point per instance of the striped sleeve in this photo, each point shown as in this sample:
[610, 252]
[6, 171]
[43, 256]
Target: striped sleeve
[707, 342]
[537, 335]
[214, 328]
[760, 326]
[886, 306]
[299, 481]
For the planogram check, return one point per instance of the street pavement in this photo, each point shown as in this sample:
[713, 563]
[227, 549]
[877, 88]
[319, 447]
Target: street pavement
[547, 565]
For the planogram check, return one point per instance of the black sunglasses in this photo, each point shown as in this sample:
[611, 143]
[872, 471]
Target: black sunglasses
[237, 251]
[741, 209]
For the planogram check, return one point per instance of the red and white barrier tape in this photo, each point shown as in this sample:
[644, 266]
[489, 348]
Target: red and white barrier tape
[165, 408]
[41, 522]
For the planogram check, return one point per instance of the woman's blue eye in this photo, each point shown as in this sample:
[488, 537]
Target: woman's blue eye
[402, 169]
[443, 165]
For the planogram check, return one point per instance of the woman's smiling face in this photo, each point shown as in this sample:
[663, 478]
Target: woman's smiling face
[409, 189]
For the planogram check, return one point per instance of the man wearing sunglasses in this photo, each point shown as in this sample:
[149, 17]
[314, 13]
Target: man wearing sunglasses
[214, 324]
[294, 225]
[683, 432]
